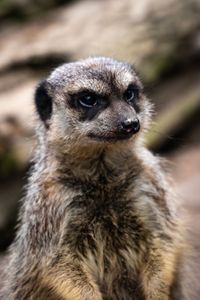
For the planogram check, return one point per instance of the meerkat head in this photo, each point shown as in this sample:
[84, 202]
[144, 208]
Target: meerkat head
[93, 101]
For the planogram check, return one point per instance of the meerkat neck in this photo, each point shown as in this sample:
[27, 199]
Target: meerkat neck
[89, 163]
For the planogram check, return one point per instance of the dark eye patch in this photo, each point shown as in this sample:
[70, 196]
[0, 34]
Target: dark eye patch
[88, 103]
[131, 95]
[87, 100]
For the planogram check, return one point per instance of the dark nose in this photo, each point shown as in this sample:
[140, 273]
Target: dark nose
[129, 126]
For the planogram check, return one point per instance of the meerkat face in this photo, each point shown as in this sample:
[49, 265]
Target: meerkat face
[97, 100]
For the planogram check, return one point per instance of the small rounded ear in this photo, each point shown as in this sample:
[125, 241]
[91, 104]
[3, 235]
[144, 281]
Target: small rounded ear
[43, 101]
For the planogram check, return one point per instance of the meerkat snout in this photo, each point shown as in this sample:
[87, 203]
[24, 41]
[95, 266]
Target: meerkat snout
[129, 126]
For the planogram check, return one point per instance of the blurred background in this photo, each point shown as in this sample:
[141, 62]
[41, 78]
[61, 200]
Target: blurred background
[161, 38]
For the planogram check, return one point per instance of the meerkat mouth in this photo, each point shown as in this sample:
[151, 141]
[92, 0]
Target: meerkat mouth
[111, 139]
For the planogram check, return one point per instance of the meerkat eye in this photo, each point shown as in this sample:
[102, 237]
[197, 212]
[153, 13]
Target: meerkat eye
[87, 100]
[131, 94]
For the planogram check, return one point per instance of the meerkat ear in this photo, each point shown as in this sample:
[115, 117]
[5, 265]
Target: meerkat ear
[43, 102]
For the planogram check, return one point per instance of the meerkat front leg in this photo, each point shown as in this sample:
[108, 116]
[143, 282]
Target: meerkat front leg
[157, 288]
[71, 281]
[158, 276]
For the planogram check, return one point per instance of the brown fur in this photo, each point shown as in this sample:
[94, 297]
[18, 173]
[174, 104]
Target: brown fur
[98, 221]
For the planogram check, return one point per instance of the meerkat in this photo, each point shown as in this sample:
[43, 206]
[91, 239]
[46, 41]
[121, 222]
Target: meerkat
[98, 220]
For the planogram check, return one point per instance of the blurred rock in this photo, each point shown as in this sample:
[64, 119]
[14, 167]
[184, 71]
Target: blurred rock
[16, 125]
[185, 166]
[22, 10]
[152, 34]
[178, 115]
